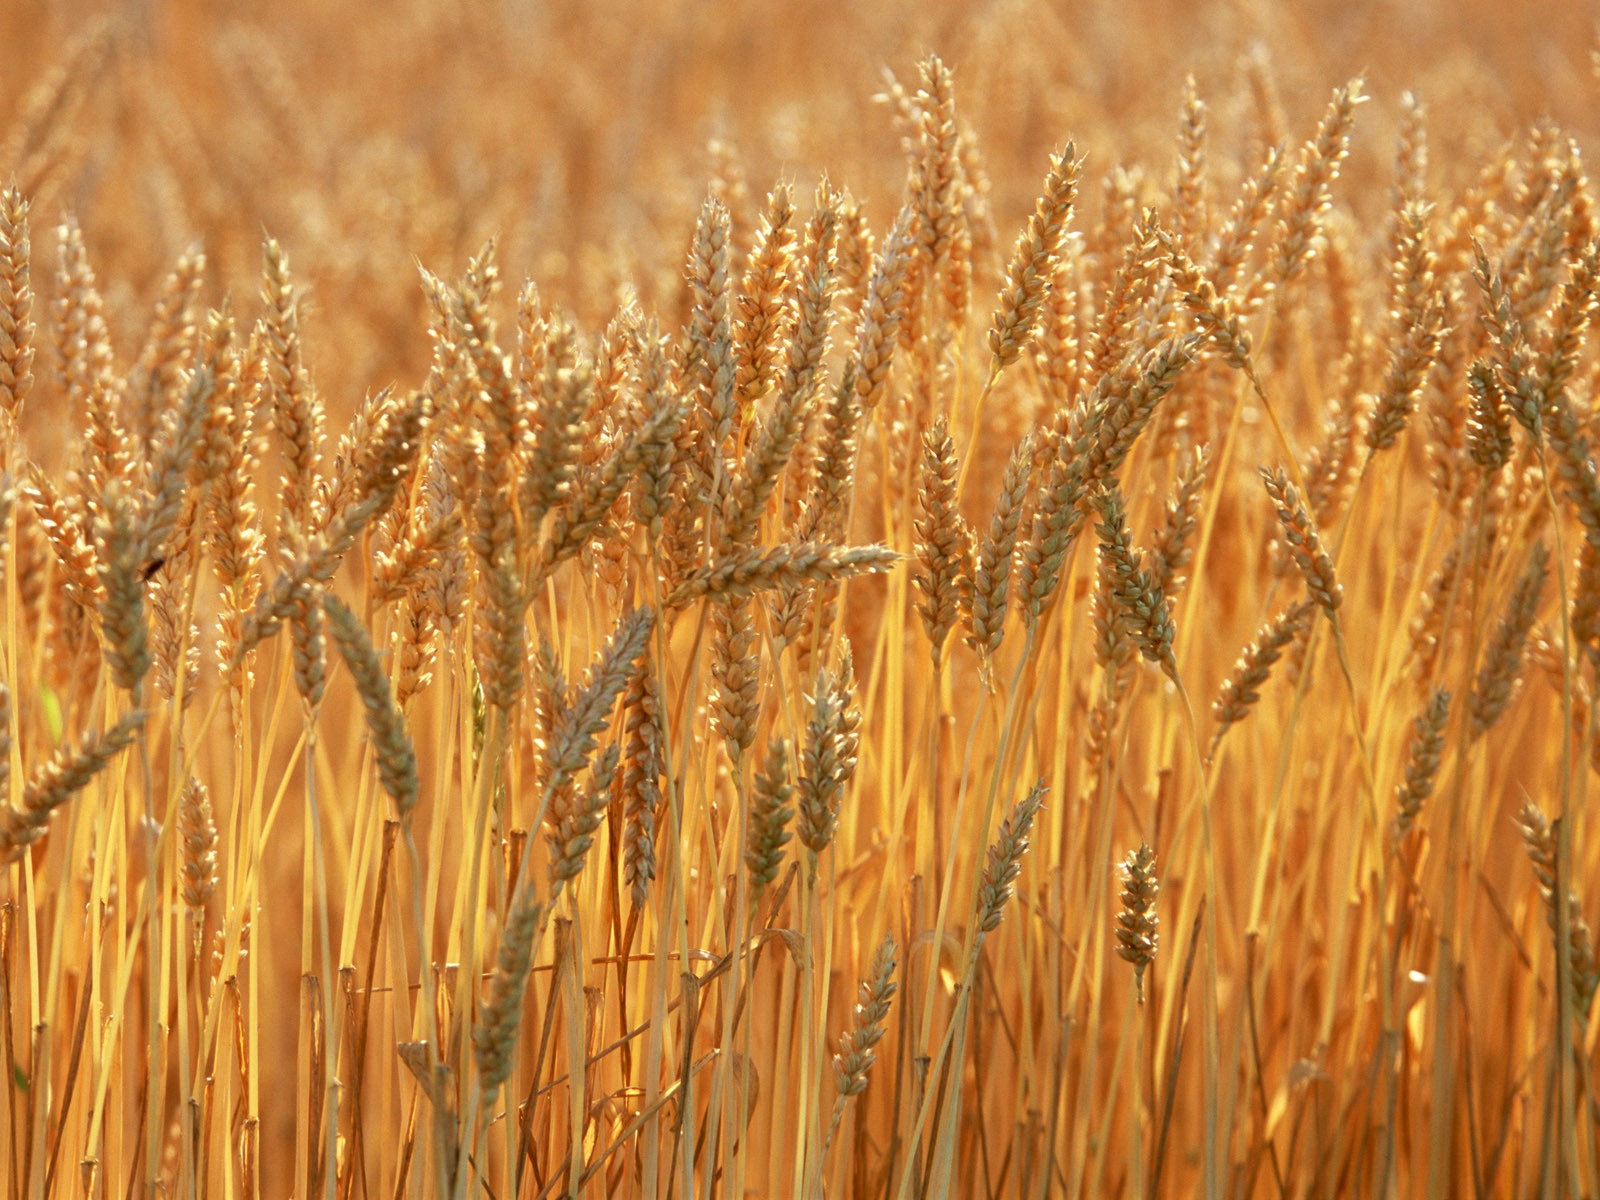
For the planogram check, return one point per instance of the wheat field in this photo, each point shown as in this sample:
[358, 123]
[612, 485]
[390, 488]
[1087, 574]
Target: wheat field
[939, 600]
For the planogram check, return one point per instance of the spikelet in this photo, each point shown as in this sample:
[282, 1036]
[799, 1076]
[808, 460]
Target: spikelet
[857, 1045]
[494, 1035]
[396, 759]
[764, 299]
[771, 810]
[178, 461]
[16, 305]
[1502, 658]
[575, 735]
[1212, 312]
[1171, 554]
[385, 465]
[736, 673]
[1004, 861]
[1057, 519]
[1238, 236]
[88, 373]
[881, 314]
[68, 772]
[944, 543]
[829, 759]
[1488, 427]
[1137, 923]
[1033, 263]
[1418, 315]
[167, 356]
[643, 738]
[1306, 204]
[297, 414]
[123, 623]
[939, 188]
[1135, 593]
[709, 365]
[574, 820]
[1120, 332]
[1122, 404]
[1539, 839]
[1305, 547]
[1422, 762]
[1189, 196]
[762, 569]
[197, 827]
[989, 592]
[1242, 688]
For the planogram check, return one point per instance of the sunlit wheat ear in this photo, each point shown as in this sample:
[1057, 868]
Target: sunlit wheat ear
[1238, 236]
[87, 366]
[1137, 923]
[180, 464]
[1502, 658]
[169, 345]
[1418, 313]
[745, 573]
[643, 755]
[771, 811]
[51, 785]
[574, 819]
[1003, 863]
[1539, 839]
[828, 760]
[858, 1044]
[62, 524]
[1189, 196]
[1573, 315]
[881, 314]
[16, 306]
[1121, 406]
[1488, 428]
[988, 593]
[123, 622]
[1305, 546]
[197, 827]
[1172, 552]
[736, 672]
[1212, 312]
[1134, 592]
[1422, 763]
[709, 366]
[297, 414]
[381, 474]
[1120, 330]
[1033, 263]
[1511, 355]
[764, 299]
[576, 733]
[397, 761]
[1310, 191]
[944, 543]
[494, 1036]
[1242, 688]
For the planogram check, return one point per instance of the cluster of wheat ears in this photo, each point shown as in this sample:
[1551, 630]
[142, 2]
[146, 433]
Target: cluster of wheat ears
[825, 731]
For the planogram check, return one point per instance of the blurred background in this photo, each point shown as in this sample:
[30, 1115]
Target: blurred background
[581, 136]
